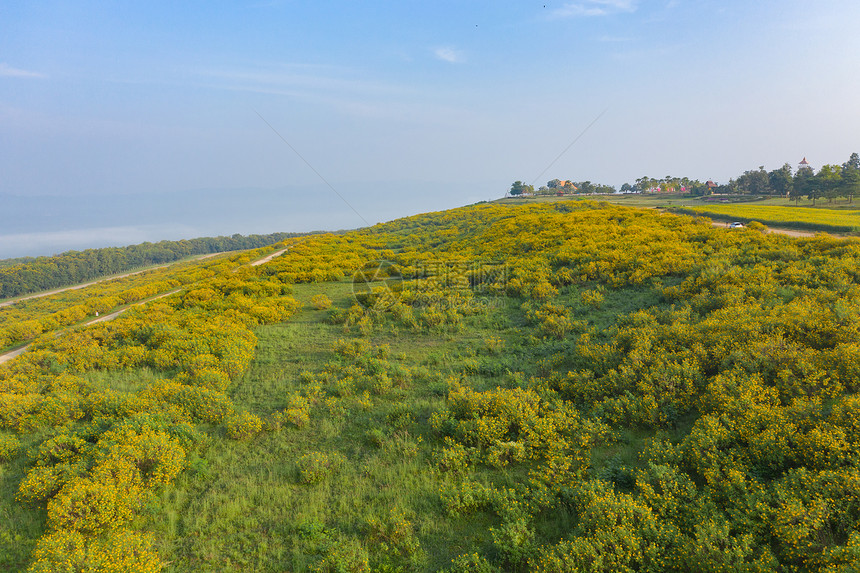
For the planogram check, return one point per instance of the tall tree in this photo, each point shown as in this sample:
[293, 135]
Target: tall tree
[518, 188]
[781, 180]
[697, 188]
[850, 184]
[802, 184]
[754, 182]
[586, 187]
[829, 179]
[643, 184]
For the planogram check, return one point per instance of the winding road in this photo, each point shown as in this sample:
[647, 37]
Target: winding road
[101, 280]
[270, 257]
[6, 357]
[18, 352]
[787, 232]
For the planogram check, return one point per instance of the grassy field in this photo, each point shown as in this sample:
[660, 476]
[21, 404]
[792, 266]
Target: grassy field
[248, 508]
[244, 505]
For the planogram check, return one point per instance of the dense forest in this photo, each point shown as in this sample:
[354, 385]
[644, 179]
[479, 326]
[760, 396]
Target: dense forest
[36, 274]
[556, 387]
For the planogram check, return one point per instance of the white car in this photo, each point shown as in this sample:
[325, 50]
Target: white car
[736, 225]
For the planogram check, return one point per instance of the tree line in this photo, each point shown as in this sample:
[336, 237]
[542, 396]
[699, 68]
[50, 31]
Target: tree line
[73, 267]
[830, 182]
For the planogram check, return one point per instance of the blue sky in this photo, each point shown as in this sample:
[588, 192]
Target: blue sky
[450, 99]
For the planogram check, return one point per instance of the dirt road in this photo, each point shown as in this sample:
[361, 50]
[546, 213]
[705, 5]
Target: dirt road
[270, 257]
[97, 281]
[113, 315]
[15, 353]
[788, 232]
[10, 355]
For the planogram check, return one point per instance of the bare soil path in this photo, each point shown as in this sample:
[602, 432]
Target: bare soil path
[270, 257]
[19, 351]
[97, 281]
[13, 354]
[113, 315]
[788, 232]
[6, 357]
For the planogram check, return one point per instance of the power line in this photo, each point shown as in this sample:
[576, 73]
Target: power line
[587, 127]
[323, 179]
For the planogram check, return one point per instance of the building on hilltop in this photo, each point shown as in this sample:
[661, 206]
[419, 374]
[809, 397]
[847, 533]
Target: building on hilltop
[562, 186]
[565, 188]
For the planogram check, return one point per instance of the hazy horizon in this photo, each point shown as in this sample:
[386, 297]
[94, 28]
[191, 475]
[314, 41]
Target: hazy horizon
[430, 106]
[50, 224]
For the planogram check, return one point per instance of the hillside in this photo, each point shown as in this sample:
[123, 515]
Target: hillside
[33, 274]
[568, 386]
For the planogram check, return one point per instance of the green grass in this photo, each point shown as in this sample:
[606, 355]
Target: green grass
[129, 381]
[248, 511]
[21, 524]
[243, 506]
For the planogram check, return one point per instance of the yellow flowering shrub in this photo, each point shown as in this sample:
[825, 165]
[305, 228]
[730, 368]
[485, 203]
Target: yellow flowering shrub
[157, 456]
[115, 551]
[8, 446]
[320, 302]
[110, 499]
[243, 425]
[297, 412]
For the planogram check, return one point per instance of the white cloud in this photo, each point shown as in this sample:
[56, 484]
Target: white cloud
[448, 54]
[595, 8]
[8, 71]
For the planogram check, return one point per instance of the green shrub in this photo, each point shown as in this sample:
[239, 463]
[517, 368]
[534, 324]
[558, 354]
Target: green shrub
[375, 437]
[400, 416]
[315, 467]
[393, 544]
[470, 563]
[345, 556]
